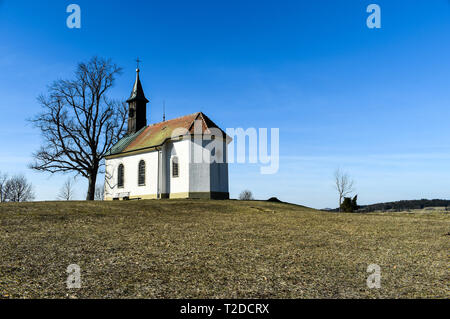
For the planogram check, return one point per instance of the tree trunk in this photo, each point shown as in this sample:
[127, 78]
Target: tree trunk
[340, 203]
[92, 182]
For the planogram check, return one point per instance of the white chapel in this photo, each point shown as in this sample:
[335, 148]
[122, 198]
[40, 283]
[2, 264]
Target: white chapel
[157, 160]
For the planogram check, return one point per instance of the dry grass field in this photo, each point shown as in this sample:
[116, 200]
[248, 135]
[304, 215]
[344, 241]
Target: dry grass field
[218, 249]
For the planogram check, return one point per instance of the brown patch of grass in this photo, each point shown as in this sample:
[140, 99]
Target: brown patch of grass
[218, 249]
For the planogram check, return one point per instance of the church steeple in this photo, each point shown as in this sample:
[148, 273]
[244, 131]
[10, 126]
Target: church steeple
[137, 107]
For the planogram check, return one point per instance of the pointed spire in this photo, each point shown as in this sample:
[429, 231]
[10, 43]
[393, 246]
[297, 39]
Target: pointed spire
[138, 93]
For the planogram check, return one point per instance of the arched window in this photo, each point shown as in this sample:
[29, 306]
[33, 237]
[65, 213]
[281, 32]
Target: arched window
[175, 170]
[120, 176]
[141, 173]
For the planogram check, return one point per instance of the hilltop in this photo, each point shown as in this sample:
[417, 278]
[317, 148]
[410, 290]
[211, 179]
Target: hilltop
[217, 249]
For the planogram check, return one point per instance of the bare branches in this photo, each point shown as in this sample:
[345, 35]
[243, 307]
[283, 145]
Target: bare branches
[343, 184]
[79, 123]
[17, 189]
[67, 190]
[3, 180]
[246, 195]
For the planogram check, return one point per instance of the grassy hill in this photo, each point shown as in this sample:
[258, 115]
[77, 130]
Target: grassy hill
[223, 249]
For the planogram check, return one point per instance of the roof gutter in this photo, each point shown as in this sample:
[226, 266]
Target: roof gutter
[157, 147]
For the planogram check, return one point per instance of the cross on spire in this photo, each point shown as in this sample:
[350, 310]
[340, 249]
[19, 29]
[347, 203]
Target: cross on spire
[137, 62]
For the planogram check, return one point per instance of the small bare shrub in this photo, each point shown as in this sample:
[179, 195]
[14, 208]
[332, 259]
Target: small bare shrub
[246, 195]
[67, 190]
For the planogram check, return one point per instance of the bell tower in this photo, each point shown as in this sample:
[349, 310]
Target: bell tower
[137, 107]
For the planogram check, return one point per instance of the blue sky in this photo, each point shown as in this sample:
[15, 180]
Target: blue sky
[374, 102]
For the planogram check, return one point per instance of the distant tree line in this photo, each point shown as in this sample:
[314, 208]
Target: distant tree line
[391, 206]
[15, 189]
[405, 205]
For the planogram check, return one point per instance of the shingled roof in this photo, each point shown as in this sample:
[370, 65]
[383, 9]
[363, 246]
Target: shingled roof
[157, 134]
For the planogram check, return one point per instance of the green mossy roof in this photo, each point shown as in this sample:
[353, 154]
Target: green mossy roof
[157, 134]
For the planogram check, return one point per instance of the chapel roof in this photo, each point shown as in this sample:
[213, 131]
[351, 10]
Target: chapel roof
[157, 134]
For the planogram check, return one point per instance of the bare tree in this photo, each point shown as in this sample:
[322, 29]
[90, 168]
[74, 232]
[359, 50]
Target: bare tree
[246, 195]
[67, 190]
[343, 184]
[3, 180]
[79, 123]
[18, 189]
[99, 192]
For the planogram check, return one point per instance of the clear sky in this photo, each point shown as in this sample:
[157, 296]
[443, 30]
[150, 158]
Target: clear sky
[374, 102]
